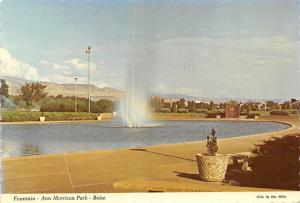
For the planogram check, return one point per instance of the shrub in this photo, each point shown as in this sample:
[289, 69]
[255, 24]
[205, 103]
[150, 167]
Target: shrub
[252, 115]
[211, 144]
[211, 115]
[279, 113]
[243, 113]
[276, 162]
[214, 114]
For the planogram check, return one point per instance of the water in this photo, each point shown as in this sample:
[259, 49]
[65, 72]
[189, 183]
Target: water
[57, 138]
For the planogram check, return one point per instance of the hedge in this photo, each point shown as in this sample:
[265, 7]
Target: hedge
[279, 113]
[18, 116]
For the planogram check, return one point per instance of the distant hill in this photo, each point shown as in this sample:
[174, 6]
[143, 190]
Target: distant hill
[55, 89]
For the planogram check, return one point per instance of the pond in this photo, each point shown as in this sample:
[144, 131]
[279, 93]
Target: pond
[26, 139]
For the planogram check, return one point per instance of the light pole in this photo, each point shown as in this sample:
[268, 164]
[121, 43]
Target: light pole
[88, 52]
[76, 94]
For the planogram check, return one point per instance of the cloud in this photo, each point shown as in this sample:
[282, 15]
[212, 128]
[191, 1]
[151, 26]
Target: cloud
[10, 66]
[64, 72]
[60, 67]
[77, 63]
[160, 89]
[45, 63]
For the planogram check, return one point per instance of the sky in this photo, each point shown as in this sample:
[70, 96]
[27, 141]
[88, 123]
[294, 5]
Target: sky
[205, 48]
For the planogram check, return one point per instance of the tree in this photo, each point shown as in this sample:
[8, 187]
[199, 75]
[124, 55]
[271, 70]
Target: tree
[32, 92]
[191, 106]
[102, 106]
[271, 104]
[181, 104]
[174, 107]
[212, 105]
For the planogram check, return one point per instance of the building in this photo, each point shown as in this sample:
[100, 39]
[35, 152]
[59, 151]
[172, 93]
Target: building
[232, 110]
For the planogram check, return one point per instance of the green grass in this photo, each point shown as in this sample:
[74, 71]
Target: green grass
[19, 116]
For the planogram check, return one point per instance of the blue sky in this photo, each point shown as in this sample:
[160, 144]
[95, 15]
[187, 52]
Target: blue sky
[216, 48]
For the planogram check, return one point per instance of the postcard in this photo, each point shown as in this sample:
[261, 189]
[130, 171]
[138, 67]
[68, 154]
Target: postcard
[149, 100]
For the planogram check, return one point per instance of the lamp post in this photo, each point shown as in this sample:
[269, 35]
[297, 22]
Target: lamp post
[76, 94]
[88, 52]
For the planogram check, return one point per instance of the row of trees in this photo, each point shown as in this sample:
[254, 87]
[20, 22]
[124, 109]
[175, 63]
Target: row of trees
[181, 104]
[67, 104]
[159, 105]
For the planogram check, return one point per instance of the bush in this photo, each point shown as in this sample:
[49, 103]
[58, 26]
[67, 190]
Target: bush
[279, 113]
[214, 114]
[276, 162]
[244, 113]
[252, 115]
[211, 115]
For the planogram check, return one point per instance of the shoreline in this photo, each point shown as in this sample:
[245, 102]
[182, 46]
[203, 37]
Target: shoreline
[165, 167]
[276, 119]
[284, 131]
[292, 127]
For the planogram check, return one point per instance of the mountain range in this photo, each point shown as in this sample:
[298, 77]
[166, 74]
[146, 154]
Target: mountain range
[55, 89]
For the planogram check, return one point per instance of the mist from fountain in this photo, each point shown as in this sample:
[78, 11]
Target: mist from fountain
[133, 104]
[6, 104]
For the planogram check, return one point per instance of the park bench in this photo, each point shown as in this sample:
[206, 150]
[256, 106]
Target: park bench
[238, 162]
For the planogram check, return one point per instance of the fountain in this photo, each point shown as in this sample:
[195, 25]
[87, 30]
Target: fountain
[6, 104]
[133, 109]
[141, 56]
[133, 105]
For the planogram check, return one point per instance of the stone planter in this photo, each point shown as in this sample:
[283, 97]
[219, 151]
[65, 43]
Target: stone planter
[99, 118]
[212, 168]
[42, 118]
